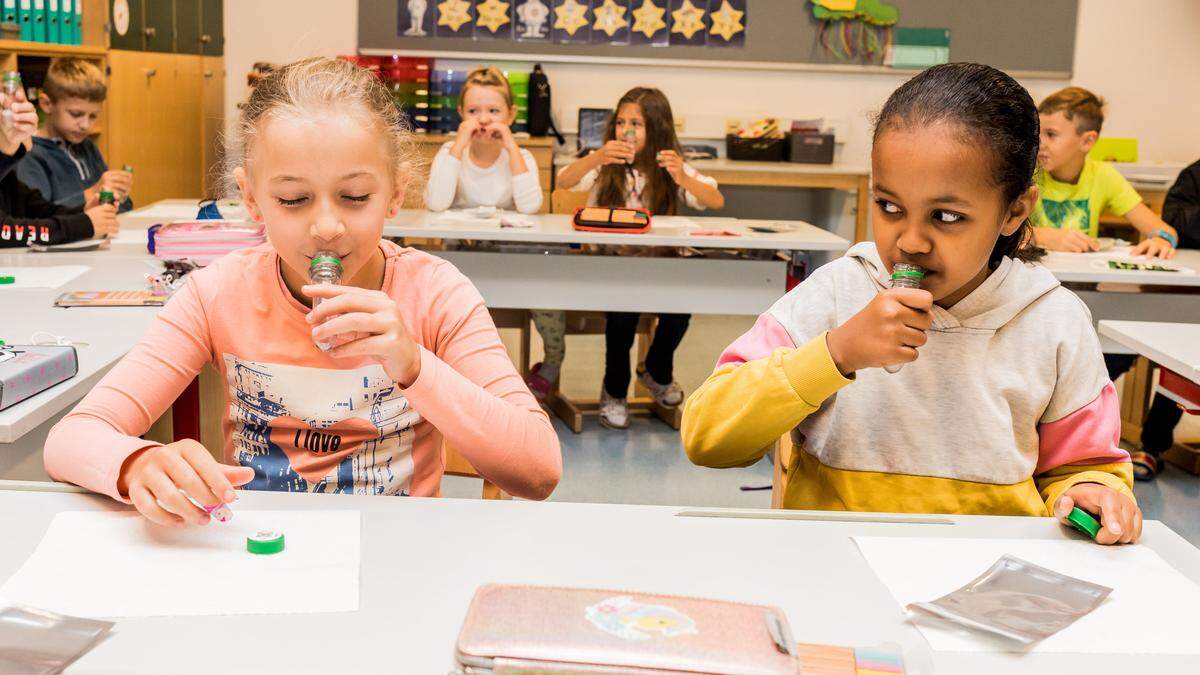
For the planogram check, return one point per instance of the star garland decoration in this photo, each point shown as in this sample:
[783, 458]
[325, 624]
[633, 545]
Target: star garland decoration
[648, 19]
[610, 18]
[492, 14]
[454, 13]
[726, 21]
[570, 16]
[687, 20]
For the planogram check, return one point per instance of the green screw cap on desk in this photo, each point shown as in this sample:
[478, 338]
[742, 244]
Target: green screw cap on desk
[1084, 522]
[8, 280]
[265, 542]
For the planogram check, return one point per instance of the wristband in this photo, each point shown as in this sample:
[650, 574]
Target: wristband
[1171, 239]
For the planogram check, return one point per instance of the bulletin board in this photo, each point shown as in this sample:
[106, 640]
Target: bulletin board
[1030, 37]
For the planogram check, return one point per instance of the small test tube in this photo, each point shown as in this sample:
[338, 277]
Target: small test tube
[631, 139]
[11, 84]
[905, 275]
[107, 197]
[325, 268]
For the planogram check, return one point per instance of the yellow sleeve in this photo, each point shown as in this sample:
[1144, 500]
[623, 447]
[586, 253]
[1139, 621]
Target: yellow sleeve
[740, 410]
[1051, 485]
[1119, 195]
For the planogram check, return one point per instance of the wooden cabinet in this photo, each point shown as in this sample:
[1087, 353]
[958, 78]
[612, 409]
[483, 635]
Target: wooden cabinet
[179, 26]
[164, 117]
[212, 123]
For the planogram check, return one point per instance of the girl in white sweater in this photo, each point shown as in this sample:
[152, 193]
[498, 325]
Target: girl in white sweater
[483, 166]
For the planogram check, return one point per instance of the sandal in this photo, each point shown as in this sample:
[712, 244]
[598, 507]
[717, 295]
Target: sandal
[1145, 465]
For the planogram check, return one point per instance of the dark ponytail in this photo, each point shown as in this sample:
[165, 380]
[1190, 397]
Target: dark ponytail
[991, 108]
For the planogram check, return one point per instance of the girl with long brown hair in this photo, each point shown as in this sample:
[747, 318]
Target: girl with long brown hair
[641, 165]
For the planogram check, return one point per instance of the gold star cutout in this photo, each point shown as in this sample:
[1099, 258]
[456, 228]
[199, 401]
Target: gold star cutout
[610, 17]
[726, 21]
[454, 13]
[687, 20]
[492, 14]
[570, 16]
[648, 19]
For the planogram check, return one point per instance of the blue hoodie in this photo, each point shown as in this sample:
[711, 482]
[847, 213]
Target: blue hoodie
[61, 171]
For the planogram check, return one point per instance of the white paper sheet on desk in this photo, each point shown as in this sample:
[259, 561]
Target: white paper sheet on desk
[50, 276]
[467, 217]
[1151, 610]
[114, 565]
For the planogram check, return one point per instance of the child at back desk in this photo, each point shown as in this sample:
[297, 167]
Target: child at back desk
[640, 165]
[320, 156]
[483, 166]
[26, 217]
[1074, 190]
[1003, 406]
[65, 165]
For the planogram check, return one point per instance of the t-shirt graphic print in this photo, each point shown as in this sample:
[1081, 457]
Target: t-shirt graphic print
[319, 430]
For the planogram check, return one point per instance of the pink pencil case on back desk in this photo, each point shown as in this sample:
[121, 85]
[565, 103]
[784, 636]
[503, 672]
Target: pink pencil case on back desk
[203, 241]
[537, 629]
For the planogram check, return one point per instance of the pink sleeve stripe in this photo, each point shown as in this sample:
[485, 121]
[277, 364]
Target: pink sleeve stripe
[764, 337]
[1090, 435]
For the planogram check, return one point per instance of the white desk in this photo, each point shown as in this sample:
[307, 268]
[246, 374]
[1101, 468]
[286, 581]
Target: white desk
[422, 560]
[108, 331]
[1174, 346]
[1131, 295]
[622, 283]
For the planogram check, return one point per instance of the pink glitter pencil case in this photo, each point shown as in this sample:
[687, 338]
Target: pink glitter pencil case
[537, 629]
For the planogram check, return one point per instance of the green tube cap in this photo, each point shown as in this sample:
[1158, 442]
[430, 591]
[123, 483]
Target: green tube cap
[1084, 522]
[265, 542]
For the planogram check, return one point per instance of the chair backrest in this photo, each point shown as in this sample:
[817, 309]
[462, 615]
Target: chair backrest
[783, 459]
[457, 465]
[566, 201]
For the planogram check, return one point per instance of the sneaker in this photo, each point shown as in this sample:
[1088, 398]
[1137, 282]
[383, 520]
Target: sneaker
[666, 395]
[1145, 465]
[540, 386]
[614, 413]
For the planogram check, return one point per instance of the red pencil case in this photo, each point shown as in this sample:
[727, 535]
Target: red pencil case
[611, 219]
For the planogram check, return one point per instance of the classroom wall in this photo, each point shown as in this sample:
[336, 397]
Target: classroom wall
[1141, 57]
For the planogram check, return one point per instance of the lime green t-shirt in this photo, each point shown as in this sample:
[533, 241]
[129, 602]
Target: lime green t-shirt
[1078, 205]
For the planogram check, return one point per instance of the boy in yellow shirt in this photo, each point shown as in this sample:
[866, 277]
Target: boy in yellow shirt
[1075, 190]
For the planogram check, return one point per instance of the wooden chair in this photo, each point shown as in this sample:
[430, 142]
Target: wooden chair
[783, 460]
[457, 465]
[566, 201]
[572, 411]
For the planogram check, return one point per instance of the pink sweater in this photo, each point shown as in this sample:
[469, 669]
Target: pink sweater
[305, 421]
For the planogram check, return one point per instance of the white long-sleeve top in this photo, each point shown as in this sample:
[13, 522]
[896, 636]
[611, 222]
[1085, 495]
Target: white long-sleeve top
[462, 184]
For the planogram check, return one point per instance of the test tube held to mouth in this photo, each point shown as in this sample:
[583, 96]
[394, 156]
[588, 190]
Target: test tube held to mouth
[905, 275]
[631, 139]
[11, 84]
[325, 268]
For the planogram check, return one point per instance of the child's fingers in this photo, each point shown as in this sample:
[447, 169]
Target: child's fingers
[375, 345]
[144, 502]
[168, 496]
[185, 478]
[237, 475]
[1137, 525]
[351, 322]
[210, 472]
[913, 298]
[1062, 508]
[911, 337]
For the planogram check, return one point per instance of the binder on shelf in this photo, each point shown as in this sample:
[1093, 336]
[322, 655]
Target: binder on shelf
[38, 17]
[25, 18]
[66, 21]
[52, 21]
[77, 30]
[9, 12]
